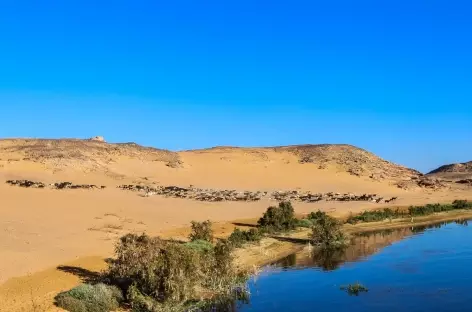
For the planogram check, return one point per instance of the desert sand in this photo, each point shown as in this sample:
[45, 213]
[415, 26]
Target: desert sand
[44, 228]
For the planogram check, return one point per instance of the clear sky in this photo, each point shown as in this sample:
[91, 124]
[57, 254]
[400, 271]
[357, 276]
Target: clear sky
[393, 77]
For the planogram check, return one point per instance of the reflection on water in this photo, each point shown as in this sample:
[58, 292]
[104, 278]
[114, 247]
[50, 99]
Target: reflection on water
[422, 268]
[362, 245]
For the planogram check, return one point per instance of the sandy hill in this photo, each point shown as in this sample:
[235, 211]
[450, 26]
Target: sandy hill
[300, 166]
[337, 157]
[454, 171]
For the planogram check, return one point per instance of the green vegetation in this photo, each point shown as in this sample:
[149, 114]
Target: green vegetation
[201, 231]
[376, 215]
[327, 233]
[354, 289]
[90, 298]
[163, 275]
[278, 219]
[413, 211]
[239, 237]
[305, 223]
[200, 245]
[315, 216]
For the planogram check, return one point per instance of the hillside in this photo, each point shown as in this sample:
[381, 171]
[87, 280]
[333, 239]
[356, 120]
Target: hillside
[460, 167]
[454, 171]
[353, 160]
[334, 157]
[129, 161]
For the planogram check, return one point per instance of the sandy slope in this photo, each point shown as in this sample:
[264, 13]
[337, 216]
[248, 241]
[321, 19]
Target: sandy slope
[41, 228]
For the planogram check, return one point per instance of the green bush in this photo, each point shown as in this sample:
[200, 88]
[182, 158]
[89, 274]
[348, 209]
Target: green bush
[278, 219]
[376, 215]
[314, 216]
[90, 298]
[168, 276]
[201, 231]
[304, 223]
[239, 237]
[327, 233]
[166, 271]
[413, 211]
[200, 245]
[462, 204]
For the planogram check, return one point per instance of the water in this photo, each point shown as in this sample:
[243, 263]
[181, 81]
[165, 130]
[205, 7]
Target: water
[414, 269]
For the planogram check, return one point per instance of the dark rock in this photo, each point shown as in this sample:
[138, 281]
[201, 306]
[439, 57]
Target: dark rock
[58, 185]
[26, 183]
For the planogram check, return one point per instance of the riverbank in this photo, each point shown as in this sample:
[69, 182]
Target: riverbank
[271, 249]
[36, 292]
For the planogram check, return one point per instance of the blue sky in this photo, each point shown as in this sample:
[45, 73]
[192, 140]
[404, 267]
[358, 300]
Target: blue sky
[393, 77]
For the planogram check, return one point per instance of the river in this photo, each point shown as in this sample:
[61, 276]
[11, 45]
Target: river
[426, 268]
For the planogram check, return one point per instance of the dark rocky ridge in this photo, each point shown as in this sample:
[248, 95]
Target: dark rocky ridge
[233, 195]
[426, 182]
[211, 195]
[58, 185]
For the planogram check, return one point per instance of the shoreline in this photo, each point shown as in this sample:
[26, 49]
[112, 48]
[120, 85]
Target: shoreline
[297, 240]
[38, 289]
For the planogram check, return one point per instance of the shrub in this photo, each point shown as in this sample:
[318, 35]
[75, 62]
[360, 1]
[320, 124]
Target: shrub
[90, 298]
[201, 231]
[354, 289]
[278, 219]
[376, 215]
[168, 276]
[165, 271]
[462, 204]
[413, 211]
[200, 245]
[327, 233]
[304, 223]
[240, 237]
[314, 216]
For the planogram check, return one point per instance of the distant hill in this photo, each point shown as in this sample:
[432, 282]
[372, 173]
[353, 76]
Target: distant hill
[336, 167]
[88, 155]
[344, 157]
[460, 167]
[454, 171]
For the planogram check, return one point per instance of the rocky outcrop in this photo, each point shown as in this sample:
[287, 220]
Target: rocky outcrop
[464, 181]
[26, 183]
[69, 185]
[233, 195]
[196, 193]
[422, 182]
[58, 186]
[350, 159]
[316, 197]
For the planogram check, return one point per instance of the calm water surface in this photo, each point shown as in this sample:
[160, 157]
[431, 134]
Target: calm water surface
[413, 269]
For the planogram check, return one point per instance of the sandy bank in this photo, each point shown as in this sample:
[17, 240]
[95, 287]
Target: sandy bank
[35, 292]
